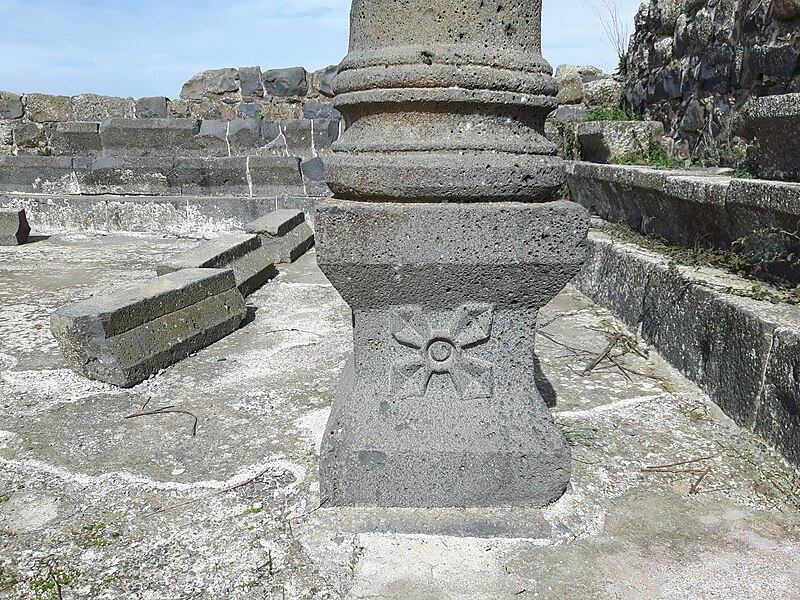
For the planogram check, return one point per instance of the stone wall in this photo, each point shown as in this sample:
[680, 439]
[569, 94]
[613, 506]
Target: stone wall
[693, 64]
[28, 122]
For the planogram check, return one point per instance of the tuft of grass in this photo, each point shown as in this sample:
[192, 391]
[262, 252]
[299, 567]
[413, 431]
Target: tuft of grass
[695, 411]
[656, 158]
[734, 260]
[45, 152]
[577, 436]
[615, 113]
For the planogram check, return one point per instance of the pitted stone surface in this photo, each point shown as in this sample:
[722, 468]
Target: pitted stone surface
[452, 94]
[124, 337]
[439, 407]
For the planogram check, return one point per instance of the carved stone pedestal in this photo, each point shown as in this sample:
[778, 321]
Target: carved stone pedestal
[443, 242]
[440, 406]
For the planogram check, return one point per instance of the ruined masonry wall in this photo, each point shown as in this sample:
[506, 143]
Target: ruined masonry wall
[693, 64]
[28, 122]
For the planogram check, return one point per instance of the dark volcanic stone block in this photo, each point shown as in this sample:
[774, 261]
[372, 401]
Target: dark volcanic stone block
[37, 174]
[125, 337]
[147, 137]
[14, 228]
[252, 264]
[154, 107]
[286, 82]
[77, 138]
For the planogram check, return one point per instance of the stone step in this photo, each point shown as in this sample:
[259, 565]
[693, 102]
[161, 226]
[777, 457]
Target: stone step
[284, 234]
[124, 337]
[685, 207]
[14, 228]
[744, 353]
[252, 264]
[246, 176]
[177, 215]
[118, 137]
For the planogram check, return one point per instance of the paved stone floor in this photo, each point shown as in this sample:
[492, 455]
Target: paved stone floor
[116, 507]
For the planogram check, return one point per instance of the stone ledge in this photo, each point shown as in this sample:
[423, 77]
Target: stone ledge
[245, 176]
[252, 264]
[684, 207]
[743, 353]
[122, 338]
[178, 215]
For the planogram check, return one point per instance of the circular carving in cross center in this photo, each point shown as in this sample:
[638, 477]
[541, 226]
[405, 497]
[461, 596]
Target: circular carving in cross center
[441, 354]
[440, 351]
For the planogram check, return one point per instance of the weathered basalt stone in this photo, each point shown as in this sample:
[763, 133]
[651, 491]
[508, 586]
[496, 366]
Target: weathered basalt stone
[433, 101]
[286, 82]
[147, 137]
[445, 101]
[769, 119]
[252, 264]
[153, 107]
[440, 407]
[14, 228]
[42, 108]
[124, 337]
[250, 83]
[77, 139]
[11, 106]
[213, 82]
[284, 234]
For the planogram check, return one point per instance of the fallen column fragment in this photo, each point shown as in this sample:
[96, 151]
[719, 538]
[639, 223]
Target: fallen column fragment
[284, 233]
[252, 264]
[14, 228]
[125, 337]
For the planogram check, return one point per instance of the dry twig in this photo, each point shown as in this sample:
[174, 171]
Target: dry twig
[164, 410]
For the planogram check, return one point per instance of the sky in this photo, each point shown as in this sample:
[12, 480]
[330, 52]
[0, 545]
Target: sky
[151, 47]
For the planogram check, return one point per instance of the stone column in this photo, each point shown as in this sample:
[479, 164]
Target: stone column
[445, 241]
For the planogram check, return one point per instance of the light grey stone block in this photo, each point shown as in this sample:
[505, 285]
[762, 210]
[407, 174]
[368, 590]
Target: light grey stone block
[125, 337]
[11, 106]
[43, 108]
[14, 228]
[251, 263]
[609, 141]
[277, 223]
[92, 107]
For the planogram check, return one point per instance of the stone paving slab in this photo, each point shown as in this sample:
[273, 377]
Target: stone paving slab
[121, 507]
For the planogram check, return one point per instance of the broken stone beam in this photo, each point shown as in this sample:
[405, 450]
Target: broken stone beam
[14, 228]
[252, 264]
[284, 233]
[124, 337]
[444, 239]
